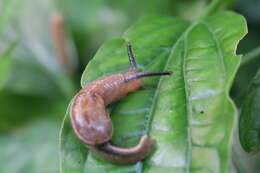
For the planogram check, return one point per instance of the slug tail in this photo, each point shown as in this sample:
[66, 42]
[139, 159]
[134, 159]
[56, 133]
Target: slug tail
[120, 155]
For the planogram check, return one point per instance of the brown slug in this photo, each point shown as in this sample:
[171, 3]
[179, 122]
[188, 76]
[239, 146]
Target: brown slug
[91, 121]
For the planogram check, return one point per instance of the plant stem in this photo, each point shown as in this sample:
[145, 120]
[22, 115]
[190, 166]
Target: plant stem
[58, 36]
[211, 8]
[249, 57]
[8, 50]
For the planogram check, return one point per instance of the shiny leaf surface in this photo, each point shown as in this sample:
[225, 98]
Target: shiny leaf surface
[188, 113]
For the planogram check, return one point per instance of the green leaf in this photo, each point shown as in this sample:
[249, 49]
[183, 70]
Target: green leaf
[5, 64]
[189, 113]
[72, 151]
[249, 124]
[243, 162]
[246, 72]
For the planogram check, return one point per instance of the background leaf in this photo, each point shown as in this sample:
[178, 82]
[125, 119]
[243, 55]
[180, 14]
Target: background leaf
[249, 124]
[245, 74]
[242, 160]
[5, 65]
[30, 148]
[34, 90]
[35, 57]
[8, 10]
[17, 110]
[92, 22]
[189, 113]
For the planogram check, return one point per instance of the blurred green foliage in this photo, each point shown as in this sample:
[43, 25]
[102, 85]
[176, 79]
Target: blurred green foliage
[5, 65]
[35, 91]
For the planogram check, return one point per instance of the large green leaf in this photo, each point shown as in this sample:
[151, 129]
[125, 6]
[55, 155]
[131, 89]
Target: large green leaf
[249, 124]
[189, 113]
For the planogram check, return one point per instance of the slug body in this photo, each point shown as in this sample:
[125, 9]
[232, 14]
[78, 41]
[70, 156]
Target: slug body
[89, 117]
[91, 121]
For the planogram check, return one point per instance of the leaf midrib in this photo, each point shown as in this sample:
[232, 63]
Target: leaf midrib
[153, 105]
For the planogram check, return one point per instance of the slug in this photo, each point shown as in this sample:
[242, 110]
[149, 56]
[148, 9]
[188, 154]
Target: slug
[91, 121]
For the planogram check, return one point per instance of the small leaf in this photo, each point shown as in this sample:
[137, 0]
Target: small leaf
[249, 124]
[189, 114]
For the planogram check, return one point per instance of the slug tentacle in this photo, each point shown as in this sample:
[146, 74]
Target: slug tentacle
[91, 121]
[145, 74]
[131, 57]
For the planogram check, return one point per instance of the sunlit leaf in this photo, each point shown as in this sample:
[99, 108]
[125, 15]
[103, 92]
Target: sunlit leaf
[189, 113]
